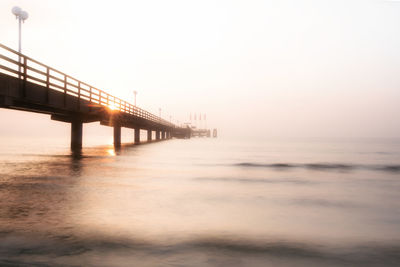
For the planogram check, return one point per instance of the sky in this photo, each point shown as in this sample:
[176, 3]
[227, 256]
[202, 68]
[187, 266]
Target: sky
[287, 68]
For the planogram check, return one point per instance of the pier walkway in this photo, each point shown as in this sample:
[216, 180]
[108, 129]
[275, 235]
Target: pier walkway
[26, 84]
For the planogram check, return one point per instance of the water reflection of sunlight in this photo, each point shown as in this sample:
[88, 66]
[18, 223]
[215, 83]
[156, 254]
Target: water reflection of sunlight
[111, 152]
[110, 141]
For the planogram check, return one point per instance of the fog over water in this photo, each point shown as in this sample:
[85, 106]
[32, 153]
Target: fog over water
[308, 68]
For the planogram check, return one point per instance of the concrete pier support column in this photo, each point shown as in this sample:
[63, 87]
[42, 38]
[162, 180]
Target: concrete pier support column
[76, 135]
[137, 135]
[158, 135]
[149, 135]
[117, 135]
[163, 135]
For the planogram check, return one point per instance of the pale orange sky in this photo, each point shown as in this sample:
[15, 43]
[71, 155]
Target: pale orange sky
[308, 68]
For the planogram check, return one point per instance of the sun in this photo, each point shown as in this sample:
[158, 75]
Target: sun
[112, 107]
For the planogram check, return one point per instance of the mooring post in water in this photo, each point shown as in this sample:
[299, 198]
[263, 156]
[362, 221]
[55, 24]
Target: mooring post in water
[117, 135]
[76, 134]
[149, 133]
[137, 135]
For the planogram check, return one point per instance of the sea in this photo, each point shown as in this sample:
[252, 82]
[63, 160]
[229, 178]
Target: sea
[201, 202]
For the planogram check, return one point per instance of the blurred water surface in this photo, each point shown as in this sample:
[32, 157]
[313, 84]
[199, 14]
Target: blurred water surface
[201, 202]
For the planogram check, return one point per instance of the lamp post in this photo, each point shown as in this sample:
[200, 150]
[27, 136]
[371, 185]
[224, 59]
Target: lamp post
[135, 93]
[21, 15]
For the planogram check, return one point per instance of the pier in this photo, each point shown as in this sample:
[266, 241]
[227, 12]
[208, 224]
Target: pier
[29, 85]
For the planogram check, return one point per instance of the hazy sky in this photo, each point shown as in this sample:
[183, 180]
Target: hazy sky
[308, 68]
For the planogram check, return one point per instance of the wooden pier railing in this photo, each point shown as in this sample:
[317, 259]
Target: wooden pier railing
[28, 69]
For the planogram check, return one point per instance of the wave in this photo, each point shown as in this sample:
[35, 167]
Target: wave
[255, 180]
[276, 165]
[16, 250]
[321, 166]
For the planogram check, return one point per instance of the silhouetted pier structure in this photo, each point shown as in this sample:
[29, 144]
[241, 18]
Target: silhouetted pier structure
[26, 84]
[215, 133]
[200, 133]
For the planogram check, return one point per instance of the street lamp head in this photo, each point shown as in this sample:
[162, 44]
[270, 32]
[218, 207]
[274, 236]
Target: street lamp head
[19, 13]
[24, 15]
[16, 11]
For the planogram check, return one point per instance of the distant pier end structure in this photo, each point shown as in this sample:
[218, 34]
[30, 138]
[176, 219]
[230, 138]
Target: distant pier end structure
[200, 132]
[215, 133]
[28, 85]
[203, 132]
